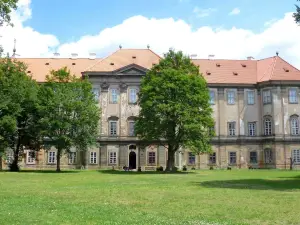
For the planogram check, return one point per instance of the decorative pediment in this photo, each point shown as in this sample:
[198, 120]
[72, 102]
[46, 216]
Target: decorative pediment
[132, 69]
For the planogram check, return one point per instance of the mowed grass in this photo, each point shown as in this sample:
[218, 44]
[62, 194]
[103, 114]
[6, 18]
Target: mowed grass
[107, 197]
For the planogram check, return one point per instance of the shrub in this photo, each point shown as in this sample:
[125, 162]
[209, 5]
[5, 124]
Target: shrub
[160, 168]
[184, 168]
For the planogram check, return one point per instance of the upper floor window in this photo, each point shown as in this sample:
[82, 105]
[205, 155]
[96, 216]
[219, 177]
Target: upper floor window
[132, 95]
[72, 157]
[192, 158]
[268, 126]
[230, 97]
[296, 156]
[267, 96]
[252, 129]
[131, 128]
[96, 93]
[250, 97]
[212, 97]
[294, 125]
[113, 95]
[293, 97]
[231, 128]
[113, 127]
[212, 158]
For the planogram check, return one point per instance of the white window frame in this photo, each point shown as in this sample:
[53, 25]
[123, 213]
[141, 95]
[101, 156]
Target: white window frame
[212, 158]
[251, 97]
[267, 96]
[192, 158]
[152, 156]
[114, 95]
[96, 93]
[93, 157]
[29, 159]
[268, 126]
[230, 97]
[113, 132]
[293, 95]
[211, 97]
[296, 156]
[132, 95]
[131, 131]
[294, 122]
[52, 157]
[9, 157]
[231, 128]
[251, 157]
[268, 156]
[232, 155]
[72, 157]
[252, 129]
[112, 160]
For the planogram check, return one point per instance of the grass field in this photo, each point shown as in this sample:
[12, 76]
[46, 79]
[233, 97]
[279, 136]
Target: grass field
[108, 197]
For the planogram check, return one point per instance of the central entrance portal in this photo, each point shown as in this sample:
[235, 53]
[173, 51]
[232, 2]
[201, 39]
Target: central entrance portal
[132, 160]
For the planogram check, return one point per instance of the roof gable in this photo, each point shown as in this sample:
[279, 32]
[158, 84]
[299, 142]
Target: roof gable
[131, 69]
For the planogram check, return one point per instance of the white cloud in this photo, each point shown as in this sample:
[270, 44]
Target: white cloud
[282, 35]
[270, 22]
[203, 12]
[235, 11]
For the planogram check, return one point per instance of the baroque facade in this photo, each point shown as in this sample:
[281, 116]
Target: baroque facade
[255, 107]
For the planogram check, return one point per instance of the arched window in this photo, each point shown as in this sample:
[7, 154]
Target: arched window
[268, 126]
[294, 121]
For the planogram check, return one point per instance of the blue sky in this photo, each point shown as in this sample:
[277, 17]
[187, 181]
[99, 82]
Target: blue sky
[225, 28]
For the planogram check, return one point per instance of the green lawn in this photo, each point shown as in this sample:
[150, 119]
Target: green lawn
[107, 197]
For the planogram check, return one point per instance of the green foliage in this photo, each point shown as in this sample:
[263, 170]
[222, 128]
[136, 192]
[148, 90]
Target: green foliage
[69, 112]
[296, 15]
[6, 7]
[175, 109]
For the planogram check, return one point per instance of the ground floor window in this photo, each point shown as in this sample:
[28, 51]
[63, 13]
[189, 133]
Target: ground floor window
[232, 157]
[151, 157]
[9, 157]
[30, 157]
[253, 157]
[192, 159]
[72, 157]
[93, 157]
[51, 157]
[268, 156]
[296, 156]
[112, 158]
[213, 158]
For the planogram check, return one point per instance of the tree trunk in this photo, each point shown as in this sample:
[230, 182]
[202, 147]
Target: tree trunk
[171, 160]
[83, 159]
[58, 160]
[14, 166]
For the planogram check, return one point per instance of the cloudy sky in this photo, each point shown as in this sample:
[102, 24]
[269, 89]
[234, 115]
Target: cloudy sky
[231, 29]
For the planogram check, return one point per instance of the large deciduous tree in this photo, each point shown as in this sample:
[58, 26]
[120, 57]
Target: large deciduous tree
[6, 7]
[69, 113]
[175, 109]
[296, 14]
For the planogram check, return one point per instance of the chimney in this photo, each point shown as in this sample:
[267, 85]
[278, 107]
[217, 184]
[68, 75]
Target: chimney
[250, 58]
[92, 56]
[193, 56]
[56, 55]
[74, 55]
[211, 56]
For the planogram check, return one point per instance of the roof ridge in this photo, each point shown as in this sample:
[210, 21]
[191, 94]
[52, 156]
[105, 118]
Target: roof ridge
[90, 67]
[264, 71]
[288, 63]
[272, 72]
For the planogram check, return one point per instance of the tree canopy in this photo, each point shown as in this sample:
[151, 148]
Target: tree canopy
[296, 15]
[6, 7]
[175, 109]
[69, 113]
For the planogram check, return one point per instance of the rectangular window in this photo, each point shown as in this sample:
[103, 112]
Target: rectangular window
[132, 95]
[252, 129]
[51, 157]
[131, 128]
[96, 93]
[296, 156]
[72, 157]
[151, 157]
[253, 157]
[213, 158]
[268, 156]
[9, 157]
[250, 97]
[113, 128]
[112, 158]
[30, 157]
[231, 128]
[212, 97]
[230, 97]
[93, 157]
[293, 97]
[192, 159]
[114, 96]
[267, 96]
[232, 158]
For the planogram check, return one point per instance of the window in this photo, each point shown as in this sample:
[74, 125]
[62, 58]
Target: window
[267, 96]
[30, 157]
[72, 157]
[211, 97]
[51, 157]
[296, 156]
[114, 96]
[132, 95]
[230, 97]
[293, 98]
[250, 97]
[268, 127]
[268, 156]
[294, 125]
[96, 93]
[112, 158]
[212, 158]
[151, 157]
[232, 158]
[252, 129]
[131, 128]
[192, 158]
[113, 128]
[93, 157]
[9, 157]
[253, 157]
[231, 128]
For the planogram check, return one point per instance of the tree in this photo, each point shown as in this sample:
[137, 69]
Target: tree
[175, 109]
[18, 115]
[69, 114]
[6, 6]
[296, 15]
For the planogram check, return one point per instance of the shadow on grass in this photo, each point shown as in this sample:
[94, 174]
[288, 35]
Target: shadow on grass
[122, 172]
[41, 171]
[254, 184]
